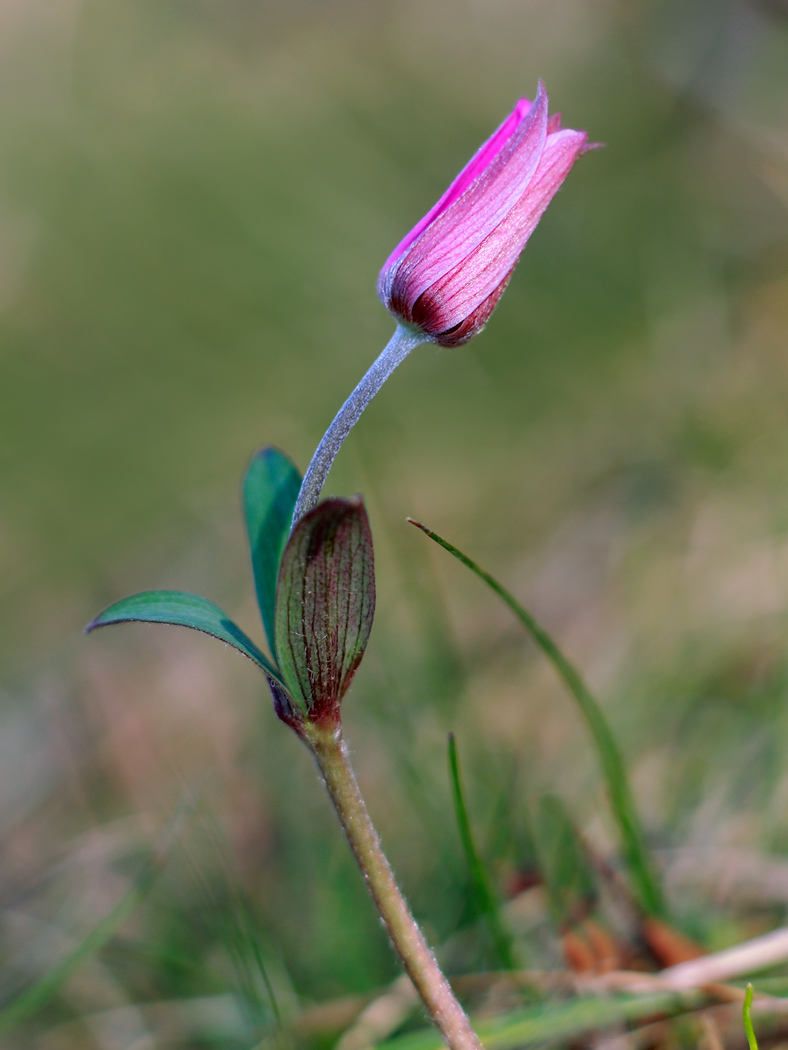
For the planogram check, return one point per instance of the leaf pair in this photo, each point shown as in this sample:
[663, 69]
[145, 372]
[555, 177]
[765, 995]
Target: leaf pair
[316, 592]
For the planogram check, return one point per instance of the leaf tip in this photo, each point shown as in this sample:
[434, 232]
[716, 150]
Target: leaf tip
[269, 452]
[96, 622]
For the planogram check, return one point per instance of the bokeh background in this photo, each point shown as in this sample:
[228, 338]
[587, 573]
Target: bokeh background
[195, 199]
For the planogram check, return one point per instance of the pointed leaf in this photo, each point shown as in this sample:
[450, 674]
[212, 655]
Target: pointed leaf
[270, 490]
[325, 604]
[184, 610]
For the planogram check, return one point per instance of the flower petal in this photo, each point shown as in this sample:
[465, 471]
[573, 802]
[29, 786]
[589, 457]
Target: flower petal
[459, 230]
[475, 321]
[472, 281]
[475, 166]
[447, 275]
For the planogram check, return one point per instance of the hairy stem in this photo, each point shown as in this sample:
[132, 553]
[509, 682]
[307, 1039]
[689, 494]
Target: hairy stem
[398, 348]
[331, 754]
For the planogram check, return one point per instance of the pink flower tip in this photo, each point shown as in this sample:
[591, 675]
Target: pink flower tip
[448, 274]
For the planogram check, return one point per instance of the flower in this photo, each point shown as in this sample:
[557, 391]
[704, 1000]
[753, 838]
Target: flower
[446, 277]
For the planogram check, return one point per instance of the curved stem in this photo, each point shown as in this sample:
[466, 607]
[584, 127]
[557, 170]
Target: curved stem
[331, 755]
[398, 348]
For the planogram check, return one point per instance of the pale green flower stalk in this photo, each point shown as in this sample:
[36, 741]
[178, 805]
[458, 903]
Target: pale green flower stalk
[405, 339]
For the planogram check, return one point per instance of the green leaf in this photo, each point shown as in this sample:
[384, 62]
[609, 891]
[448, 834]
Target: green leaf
[325, 603]
[270, 491]
[622, 803]
[566, 868]
[184, 610]
[486, 901]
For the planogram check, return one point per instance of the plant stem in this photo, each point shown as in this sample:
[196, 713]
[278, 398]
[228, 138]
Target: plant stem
[330, 751]
[397, 349]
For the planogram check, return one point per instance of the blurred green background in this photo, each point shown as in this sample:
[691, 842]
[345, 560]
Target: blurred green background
[195, 199]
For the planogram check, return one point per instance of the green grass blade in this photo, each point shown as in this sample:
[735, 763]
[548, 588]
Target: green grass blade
[565, 1020]
[746, 1013]
[485, 898]
[31, 1001]
[566, 868]
[233, 916]
[636, 856]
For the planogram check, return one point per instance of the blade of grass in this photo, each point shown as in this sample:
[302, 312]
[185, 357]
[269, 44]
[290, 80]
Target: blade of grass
[31, 1001]
[563, 1020]
[485, 899]
[746, 1013]
[636, 856]
[567, 871]
[232, 908]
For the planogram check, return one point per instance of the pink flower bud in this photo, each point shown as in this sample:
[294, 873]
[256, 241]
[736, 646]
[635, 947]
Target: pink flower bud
[448, 274]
